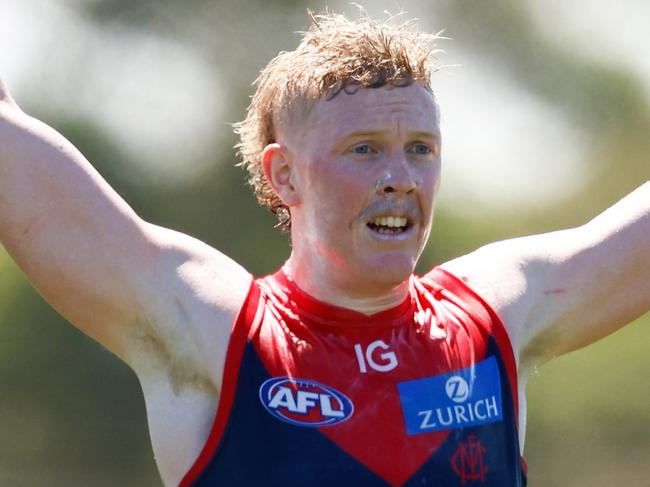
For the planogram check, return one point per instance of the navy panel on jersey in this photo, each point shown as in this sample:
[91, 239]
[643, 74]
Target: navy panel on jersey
[259, 450]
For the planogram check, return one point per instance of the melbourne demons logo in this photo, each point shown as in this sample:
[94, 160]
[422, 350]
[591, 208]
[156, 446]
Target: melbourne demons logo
[468, 461]
[304, 402]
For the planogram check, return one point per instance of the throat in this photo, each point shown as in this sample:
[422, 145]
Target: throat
[346, 295]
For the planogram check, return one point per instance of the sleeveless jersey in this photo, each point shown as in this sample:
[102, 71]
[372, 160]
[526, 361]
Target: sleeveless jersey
[316, 395]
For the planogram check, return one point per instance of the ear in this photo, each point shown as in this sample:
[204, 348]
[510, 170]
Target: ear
[278, 170]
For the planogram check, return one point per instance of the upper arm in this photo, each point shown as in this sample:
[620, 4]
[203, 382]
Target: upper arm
[559, 291]
[88, 253]
[77, 241]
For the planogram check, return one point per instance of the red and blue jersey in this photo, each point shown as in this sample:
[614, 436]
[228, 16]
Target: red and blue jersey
[316, 395]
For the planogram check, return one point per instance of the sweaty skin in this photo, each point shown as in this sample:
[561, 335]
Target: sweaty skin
[330, 178]
[164, 302]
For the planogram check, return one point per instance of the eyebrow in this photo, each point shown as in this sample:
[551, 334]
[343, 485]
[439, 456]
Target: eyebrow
[425, 135]
[375, 133]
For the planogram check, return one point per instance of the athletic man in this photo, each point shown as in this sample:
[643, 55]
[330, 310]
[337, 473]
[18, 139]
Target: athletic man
[342, 368]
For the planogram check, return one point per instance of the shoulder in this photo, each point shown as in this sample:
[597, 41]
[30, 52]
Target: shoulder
[559, 291]
[509, 276]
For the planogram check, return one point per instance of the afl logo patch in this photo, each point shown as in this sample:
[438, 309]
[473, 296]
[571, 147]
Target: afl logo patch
[304, 402]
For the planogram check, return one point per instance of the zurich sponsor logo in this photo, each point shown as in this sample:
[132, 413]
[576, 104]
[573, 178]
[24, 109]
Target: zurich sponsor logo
[463, 398]
[457, 388]
[304, 402]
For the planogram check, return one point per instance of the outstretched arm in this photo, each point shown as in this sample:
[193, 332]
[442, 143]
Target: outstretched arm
[89, 254]
[560, 291]
[65, 227]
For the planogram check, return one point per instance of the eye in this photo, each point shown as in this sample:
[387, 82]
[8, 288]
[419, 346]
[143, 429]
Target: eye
[420, 149]
[362, 149]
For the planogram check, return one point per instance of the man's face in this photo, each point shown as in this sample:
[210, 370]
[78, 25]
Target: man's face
[366, 169]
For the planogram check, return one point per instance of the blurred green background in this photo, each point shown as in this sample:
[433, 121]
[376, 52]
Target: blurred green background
[545, 121]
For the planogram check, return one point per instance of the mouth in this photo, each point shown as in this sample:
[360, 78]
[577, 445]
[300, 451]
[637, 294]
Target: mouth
[390, 225]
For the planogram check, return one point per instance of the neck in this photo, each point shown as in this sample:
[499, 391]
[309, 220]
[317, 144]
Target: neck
[324, 283]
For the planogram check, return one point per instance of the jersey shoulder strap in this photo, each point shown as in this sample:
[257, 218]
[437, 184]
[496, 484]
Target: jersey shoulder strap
[249, 315]
[456, 290]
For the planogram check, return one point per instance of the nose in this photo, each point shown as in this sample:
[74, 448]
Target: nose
[396, 178]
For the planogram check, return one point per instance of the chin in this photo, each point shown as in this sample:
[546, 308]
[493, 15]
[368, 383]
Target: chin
[392, 269]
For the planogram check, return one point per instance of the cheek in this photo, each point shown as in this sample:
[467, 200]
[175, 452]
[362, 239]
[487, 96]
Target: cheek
[337, 202]
[340, 187]
[433, 176]
[430, 185]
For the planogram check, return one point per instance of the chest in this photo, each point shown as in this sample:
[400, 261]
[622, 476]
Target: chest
[391, 398]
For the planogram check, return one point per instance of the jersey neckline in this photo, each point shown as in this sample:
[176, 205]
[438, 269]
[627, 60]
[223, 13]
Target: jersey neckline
[319, 312]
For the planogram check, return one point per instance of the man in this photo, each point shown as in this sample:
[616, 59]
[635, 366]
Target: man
[342, 368]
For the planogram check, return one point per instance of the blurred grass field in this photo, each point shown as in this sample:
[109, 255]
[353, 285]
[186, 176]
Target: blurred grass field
[589, 414]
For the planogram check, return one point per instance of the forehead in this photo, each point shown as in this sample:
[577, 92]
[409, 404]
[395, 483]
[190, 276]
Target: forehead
[411, 108]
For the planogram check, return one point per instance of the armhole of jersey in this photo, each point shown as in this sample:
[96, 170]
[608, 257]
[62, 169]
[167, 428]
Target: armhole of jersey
[248, 314]
[477, 306]
[481, 309]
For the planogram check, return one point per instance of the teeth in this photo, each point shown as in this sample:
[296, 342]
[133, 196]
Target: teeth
[390, 221]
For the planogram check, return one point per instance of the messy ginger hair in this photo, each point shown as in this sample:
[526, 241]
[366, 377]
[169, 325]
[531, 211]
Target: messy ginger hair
[336, 54]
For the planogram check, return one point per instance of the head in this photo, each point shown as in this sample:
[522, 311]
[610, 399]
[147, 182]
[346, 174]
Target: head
[335, 54]
[345, 77]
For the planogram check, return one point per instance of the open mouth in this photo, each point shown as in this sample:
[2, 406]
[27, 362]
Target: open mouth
[389, 225]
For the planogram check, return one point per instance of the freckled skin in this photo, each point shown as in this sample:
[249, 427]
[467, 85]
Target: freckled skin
[376, 151]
